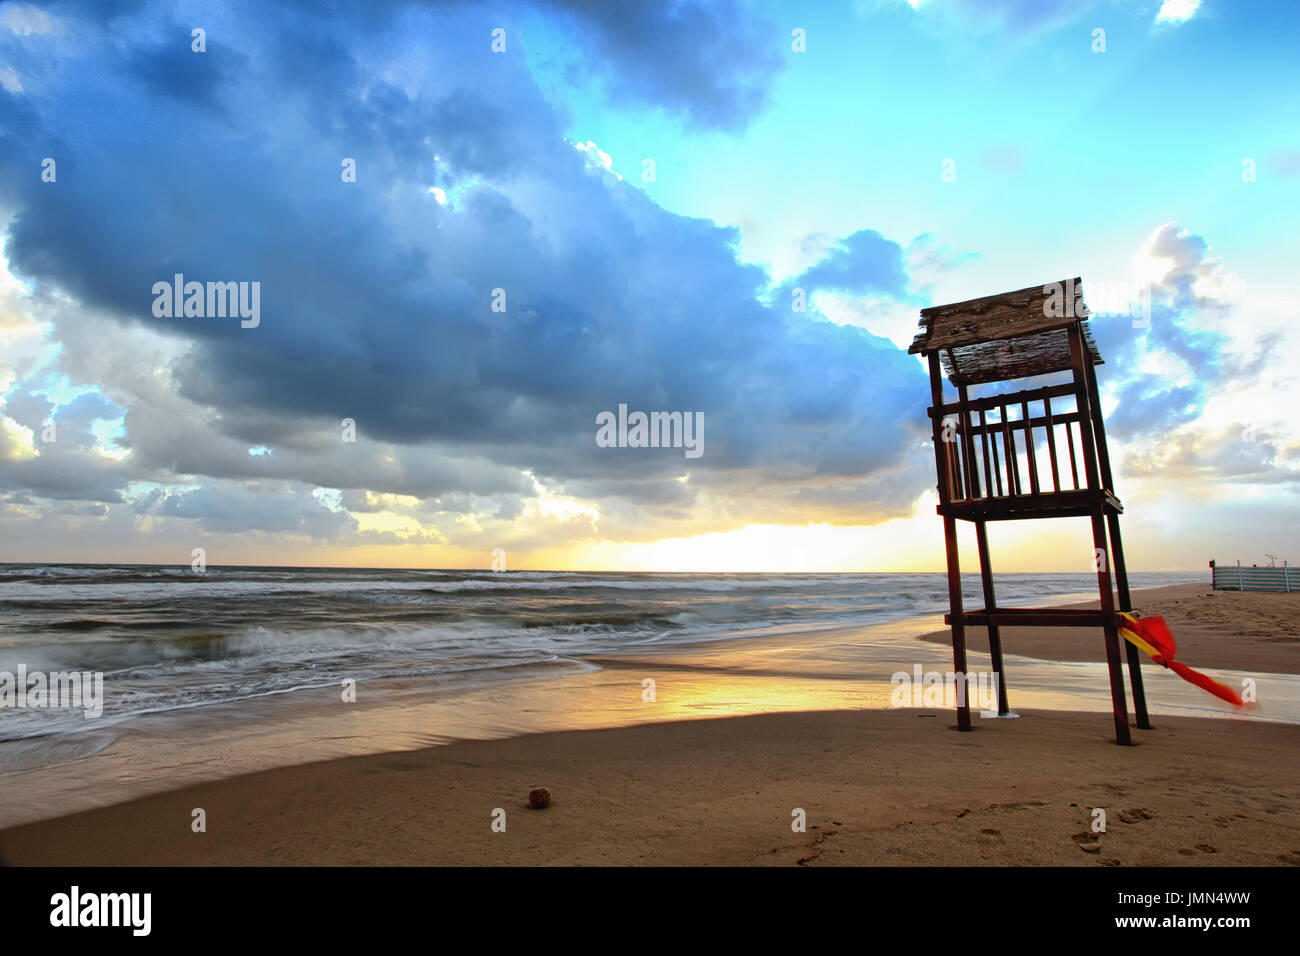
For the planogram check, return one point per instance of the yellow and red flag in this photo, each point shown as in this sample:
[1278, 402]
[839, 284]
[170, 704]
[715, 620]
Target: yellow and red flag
[1152, 635]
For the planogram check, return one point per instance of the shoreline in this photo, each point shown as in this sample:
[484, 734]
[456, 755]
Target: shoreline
[842, 671]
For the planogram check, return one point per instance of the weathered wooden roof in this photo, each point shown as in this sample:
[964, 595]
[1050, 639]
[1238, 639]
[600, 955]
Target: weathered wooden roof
[1011, 335]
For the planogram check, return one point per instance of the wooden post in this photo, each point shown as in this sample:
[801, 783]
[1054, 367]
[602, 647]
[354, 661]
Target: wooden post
[1079, 361]
[958, 619]
[1098, 424]
[1051, 443]
[950, 544]
[1029, 448]
[1009, 454]
[990, 605]
[1126, 604]
[1118, 704]
[1074, 467]
[968, 446]
[984, 446]
[1117, 549]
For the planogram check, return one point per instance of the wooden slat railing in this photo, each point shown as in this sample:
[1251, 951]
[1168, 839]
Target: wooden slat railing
[985, 458]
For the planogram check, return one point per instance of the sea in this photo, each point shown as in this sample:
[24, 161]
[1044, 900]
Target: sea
[171, 639]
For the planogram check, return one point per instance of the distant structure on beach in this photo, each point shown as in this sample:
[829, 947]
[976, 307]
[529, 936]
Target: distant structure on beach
[1254, 578]
[990, 469]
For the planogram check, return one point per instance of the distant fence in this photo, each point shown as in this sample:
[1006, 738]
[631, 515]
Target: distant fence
[1237, 578]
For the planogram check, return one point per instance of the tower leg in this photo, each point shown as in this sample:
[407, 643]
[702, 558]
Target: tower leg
[1126, 604]
[1118, 703]
[991, 603]
[958, 623]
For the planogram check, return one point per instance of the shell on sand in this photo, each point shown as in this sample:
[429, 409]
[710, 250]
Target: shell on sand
[539, 798]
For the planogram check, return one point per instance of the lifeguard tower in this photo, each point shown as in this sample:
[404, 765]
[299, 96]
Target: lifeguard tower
[990, 450]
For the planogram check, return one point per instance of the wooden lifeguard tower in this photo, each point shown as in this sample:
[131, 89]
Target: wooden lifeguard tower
[989, 458]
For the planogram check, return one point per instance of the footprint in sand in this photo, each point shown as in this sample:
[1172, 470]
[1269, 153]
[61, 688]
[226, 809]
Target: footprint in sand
[1136, 815]
[1088, 842]
[1290, 859]
[990, 837]
[1223, 821]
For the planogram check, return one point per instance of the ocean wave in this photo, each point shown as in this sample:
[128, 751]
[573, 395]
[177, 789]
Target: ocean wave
[167, 637]
[18, 590]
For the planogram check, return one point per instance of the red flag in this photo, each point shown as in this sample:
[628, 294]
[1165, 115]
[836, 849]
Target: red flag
[1155, 633]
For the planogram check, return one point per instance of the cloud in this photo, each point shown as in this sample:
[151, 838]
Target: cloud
[377, 300]
[862, 263]
[1162, 374]
[66, 465]
[1177, 11]
[275, 508]
[172, 70]
[1013, 18]
[1181, 268]
[884, 313]
[23, 19]
[1240, 453]
[722, 57]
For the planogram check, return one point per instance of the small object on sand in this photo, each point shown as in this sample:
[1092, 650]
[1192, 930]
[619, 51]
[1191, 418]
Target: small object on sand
[539, 798]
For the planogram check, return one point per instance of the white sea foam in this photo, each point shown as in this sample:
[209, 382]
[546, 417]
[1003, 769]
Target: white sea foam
[166, 638]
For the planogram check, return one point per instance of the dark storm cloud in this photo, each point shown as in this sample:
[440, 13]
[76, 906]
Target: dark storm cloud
[171, 70]
[376, 300]
[708, 61]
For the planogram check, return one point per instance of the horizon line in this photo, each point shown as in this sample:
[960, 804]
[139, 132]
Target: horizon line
[348, 567]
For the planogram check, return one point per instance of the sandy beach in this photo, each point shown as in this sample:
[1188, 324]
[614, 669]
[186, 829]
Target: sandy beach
[647, 784]
[878, 787]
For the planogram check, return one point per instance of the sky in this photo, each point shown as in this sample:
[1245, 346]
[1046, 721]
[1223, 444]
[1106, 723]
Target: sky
[474, 228]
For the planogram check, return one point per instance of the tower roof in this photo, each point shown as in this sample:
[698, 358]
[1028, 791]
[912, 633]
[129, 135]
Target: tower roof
[1006, 336]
